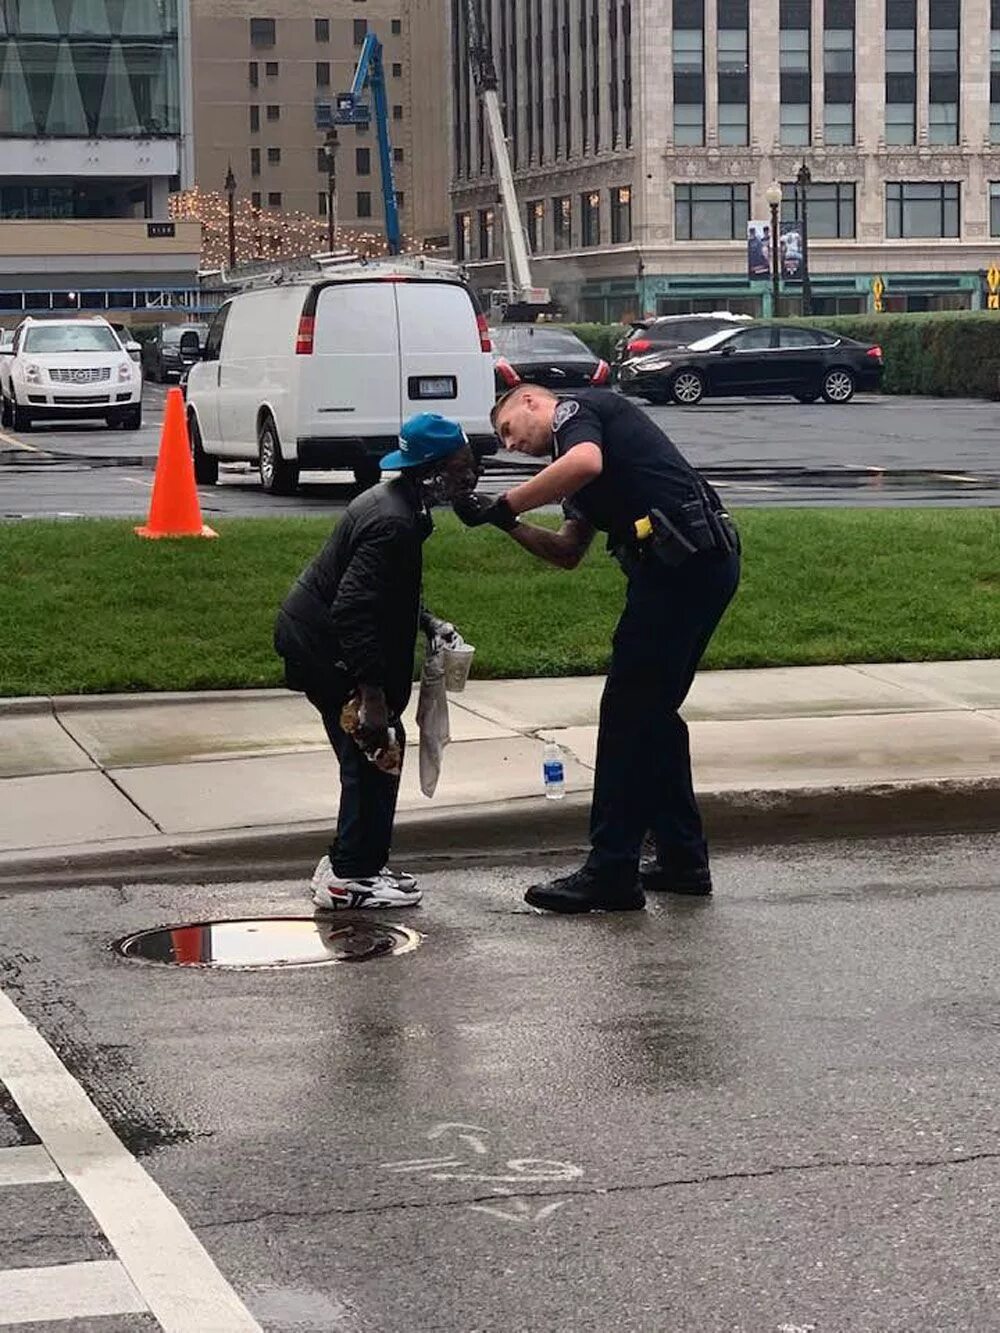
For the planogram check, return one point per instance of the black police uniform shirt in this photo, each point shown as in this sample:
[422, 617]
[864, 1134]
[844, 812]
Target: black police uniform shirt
[643, 468]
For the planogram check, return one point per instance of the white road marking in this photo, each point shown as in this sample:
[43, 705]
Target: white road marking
[165, 1261]
[18, 444]
[27, 1166]
[67, 1291]
[136, 481]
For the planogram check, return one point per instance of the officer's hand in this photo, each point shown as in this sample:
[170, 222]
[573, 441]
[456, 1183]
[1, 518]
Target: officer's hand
[474, 510]
[373, 720]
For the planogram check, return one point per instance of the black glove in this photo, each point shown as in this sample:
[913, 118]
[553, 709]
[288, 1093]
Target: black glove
[474, 510]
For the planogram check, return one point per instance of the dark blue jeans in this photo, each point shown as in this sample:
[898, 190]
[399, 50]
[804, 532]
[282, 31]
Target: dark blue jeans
[643, 779]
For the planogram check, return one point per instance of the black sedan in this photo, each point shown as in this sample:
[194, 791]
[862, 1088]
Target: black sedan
[764, 359]
[544, 354]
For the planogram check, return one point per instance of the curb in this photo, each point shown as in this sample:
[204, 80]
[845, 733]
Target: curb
[521, 829]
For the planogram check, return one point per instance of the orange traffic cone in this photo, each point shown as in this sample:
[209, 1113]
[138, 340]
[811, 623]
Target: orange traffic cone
[174, 510]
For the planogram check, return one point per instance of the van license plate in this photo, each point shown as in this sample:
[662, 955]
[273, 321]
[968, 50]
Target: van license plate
[438, 386]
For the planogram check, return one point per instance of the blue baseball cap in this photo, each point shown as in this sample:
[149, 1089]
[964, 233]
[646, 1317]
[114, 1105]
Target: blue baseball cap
[424, 439]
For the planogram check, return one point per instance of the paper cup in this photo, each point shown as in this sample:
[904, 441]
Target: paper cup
[457, 664]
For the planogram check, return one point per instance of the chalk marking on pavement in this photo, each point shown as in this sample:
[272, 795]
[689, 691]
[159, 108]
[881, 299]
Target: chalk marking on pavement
[67, 1291]
[27, 1166]
[473, 1140]
[168, 1265]
[518, 1211]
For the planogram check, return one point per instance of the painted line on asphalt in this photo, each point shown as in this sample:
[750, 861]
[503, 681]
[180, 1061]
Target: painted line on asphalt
[27, 1166]
[67, 1291]
[165, 1261]
[137, 481]
[18, 444]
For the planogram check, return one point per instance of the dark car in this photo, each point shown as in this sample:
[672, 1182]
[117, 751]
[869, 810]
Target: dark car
[163, 358]
[544, 354]
[764, 359]
[654, 335]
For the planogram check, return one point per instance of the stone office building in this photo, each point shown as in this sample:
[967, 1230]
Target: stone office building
[645, 134]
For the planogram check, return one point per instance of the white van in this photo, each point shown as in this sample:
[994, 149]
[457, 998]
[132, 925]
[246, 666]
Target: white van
[321, 372]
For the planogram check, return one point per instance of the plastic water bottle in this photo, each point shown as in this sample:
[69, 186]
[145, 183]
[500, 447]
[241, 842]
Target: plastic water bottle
[553, 774]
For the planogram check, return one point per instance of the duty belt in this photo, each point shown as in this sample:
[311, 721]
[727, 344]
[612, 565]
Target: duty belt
[699, 527]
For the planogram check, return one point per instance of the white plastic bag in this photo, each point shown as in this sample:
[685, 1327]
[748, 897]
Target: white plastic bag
[432, 719]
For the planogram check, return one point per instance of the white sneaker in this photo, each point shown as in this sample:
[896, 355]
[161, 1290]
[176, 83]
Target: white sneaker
[402, 877]
[324, 872]
[333, 893]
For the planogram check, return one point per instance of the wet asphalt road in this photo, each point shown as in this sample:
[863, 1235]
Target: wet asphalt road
[776, 1110]
[872, 452]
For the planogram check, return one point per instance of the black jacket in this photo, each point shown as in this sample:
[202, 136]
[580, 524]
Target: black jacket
[351, 617]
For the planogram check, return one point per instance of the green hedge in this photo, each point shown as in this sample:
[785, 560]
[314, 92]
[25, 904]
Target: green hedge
[952, 354]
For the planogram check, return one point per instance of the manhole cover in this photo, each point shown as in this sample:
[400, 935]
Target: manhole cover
[267, 942]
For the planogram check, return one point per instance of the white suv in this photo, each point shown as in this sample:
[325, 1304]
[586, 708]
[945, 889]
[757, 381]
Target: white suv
[60, 368]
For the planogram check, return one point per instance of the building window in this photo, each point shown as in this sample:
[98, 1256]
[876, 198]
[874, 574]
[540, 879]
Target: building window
[322, 203]
[321, 162]
[273, 111]
[322, 73]
[994, 208]
[832, 209]
[922, 209]
[733, 49]
[795, 72]
[363, 161]
[254, 119]
[711, 212]
[590, 218]
[562, 222]
[463, 236]
[397, 27]
[262, 32]
[487, 233]
[363, 204]
[995, 71]
[838, 72]
[274, 199]
[273, 156]
[255, 199]
[397, 70]
[689, 72]
[944, 71]
[400, 200]
[621, 215]
[360, 31]
[271, 69]
[252, 74]
[254, 161]
[397, 113]
[901, 71]
[322, 29]
[397, 155]
[536, 225]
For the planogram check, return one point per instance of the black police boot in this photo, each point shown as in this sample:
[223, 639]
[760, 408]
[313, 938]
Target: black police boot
[695, 881]
[583, 891]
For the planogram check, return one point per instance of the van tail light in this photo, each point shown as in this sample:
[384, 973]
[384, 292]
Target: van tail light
[304, 338]
[484, 334]
[639, 345]
[602, 374]
[507, 372]
[875, 353]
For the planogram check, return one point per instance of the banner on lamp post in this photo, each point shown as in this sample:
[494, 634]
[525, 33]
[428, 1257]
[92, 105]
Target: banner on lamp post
[790, 251]
[758, 250]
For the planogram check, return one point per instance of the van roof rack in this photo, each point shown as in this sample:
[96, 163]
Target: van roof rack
[336, 263]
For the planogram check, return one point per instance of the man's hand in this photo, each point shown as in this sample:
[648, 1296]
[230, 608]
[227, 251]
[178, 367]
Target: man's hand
[373, 719]
[474, 510]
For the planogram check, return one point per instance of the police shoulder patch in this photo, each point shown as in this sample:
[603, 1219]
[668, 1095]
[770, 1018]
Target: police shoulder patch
[567, 408]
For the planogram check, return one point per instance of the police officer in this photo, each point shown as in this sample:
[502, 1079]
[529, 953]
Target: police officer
[618, 473]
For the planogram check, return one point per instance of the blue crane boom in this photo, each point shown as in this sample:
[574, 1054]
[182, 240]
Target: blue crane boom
[351, 108]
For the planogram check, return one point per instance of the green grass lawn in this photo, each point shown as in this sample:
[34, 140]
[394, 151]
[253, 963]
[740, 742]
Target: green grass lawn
[88, 607]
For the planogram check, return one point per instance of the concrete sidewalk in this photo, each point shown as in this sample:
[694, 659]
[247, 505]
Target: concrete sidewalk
[165, 785]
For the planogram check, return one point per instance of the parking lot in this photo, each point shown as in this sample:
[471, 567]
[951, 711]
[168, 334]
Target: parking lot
[874, 451]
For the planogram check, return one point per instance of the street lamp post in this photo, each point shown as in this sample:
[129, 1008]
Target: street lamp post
[773, 196]
[230, 198]
[331, 145]
[640, 284]
[803, 180]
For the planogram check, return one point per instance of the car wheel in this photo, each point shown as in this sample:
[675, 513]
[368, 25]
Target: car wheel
[21, 419]
[277, 476]
[131, 418]
[687, 388]
[6, 415]
[806, 397]
[838, 385]
[367, 473]
[206, 469]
